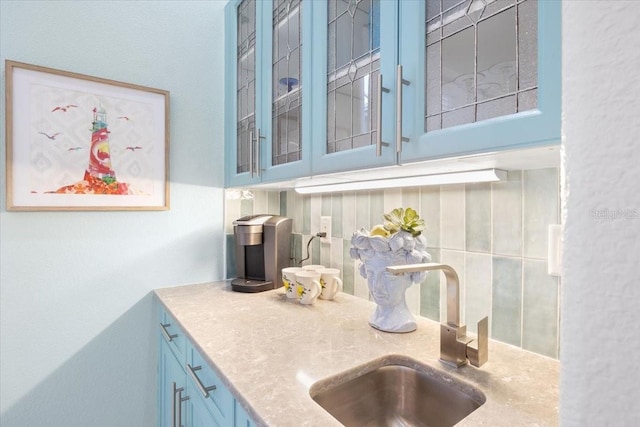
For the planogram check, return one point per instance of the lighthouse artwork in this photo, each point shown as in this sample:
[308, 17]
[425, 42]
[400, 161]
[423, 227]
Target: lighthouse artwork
[78, 142]
[99, 177]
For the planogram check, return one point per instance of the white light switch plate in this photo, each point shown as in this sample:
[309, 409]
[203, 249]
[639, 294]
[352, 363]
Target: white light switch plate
[554, 250]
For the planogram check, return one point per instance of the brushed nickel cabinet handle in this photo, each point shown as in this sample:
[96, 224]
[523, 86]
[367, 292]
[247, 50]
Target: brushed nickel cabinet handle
[167, 335]
[399, 82]
[192, 373]
[251, 154]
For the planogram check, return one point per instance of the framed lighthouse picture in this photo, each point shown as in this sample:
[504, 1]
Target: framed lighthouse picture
[76, 142]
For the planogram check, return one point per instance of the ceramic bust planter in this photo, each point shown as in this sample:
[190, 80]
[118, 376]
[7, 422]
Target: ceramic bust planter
[376, 253]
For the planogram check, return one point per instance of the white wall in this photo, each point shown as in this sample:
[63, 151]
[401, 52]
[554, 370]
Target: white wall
[601, 283]
[78, 334]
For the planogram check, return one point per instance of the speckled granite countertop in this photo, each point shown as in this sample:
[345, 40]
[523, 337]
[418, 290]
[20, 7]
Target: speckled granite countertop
[269, 350]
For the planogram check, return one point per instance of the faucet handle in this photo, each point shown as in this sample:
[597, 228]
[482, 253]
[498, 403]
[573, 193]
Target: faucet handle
[478, 349]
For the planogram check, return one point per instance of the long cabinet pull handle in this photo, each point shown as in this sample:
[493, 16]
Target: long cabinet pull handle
[176, 411]
[192, 373]
[251, 154]
[258, 153]
[379, 142]
[399, 82]
[167, 335]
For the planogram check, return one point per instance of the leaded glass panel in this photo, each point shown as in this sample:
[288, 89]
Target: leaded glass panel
[481, 60]
[246, 81]
[353, 65]
[287, 81]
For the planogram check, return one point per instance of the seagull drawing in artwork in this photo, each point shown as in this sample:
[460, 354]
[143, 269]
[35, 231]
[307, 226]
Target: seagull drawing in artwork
[124, 118]
[134, 148]
[64, 108]
[51, 137]
[75, 148]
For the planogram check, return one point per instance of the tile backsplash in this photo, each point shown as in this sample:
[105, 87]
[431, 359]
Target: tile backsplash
[494, 236]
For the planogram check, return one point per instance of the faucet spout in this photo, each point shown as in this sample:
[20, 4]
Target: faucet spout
[455, 346]
[453, 285]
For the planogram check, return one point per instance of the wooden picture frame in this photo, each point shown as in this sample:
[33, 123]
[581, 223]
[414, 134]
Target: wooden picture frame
[82, 143]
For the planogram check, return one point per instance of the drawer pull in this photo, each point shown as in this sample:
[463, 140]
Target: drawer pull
[192, 373]
[167, 335]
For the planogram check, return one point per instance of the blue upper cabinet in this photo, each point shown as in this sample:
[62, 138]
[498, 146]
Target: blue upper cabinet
[485, 76]
[323, 86]
[268, 75]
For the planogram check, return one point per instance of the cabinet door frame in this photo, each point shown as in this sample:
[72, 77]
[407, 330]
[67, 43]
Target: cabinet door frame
[363, 157]
[263, 97]
[526, 129]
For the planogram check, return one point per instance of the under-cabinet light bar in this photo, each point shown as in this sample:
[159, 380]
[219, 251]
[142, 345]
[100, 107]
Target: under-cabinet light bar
[484, 175]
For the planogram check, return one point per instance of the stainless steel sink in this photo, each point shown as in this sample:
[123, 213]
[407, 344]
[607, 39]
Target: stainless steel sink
[396, 391]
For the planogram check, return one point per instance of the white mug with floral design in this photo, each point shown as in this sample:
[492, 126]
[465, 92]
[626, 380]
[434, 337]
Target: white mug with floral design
[330, 282]
[308, 286]
[289, 281]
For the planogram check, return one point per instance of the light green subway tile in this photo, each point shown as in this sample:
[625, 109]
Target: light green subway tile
[306, 214]
[507, 300]
[392, 200]
[430, 291]
[362, 210]
[478, 217]
[315, 213]
[325, 208]
[296, 248]
[336, 215]
[411, 199]
[348, 270]
[377, 208]
[336, 253]
[541, 208]
[283, 204]
[325, 253]
[507, 215]
[452, 216]
[273, 202]
[315, 251]
[430, 212]
[349, 224]
[246, 207]
[296, 206]
[260, 205]
[477, 288]
[540, 309]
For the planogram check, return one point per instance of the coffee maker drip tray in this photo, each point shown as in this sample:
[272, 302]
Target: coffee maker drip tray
[248, 285]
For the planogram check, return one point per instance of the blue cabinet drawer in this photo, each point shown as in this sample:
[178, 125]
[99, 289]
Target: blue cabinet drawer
[219, 400]
[173, 335]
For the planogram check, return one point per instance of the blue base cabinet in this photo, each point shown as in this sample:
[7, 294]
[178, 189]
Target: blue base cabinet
[190, 394]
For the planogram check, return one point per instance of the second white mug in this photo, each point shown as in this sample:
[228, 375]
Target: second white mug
[330, 282]
[308, 286]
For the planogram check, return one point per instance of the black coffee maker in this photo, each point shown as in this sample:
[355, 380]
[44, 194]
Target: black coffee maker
[263, 249]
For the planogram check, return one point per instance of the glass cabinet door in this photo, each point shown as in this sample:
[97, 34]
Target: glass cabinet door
[354, 47]
[487, 75]
[246, 85]
[287, 82]
[265, 40]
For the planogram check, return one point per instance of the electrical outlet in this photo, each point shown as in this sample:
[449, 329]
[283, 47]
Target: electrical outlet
[325, 227]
